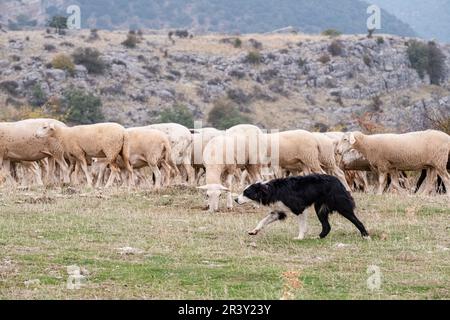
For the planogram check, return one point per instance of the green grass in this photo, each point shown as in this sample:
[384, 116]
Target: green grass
[186, 253]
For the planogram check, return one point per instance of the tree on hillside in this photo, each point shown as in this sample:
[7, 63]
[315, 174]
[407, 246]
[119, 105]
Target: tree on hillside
[58, 22]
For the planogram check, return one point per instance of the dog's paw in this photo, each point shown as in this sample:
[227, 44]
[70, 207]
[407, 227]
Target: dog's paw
[368, 238]
[253, 232]
[299, 238]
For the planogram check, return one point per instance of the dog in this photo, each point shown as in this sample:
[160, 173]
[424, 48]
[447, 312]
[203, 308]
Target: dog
[295, 194]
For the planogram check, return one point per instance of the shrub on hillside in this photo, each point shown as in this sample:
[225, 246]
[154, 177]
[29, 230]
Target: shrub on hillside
[131, 41]
[90, 58]
[59, 23]
[436, 64]
[331, 33]
[82, 108]
[427, 58]
[225, 114]
[38, 96]
[418, 56]
[253, 57]
[179, 113]
[336, 48]
[64, 62]
[325, 58]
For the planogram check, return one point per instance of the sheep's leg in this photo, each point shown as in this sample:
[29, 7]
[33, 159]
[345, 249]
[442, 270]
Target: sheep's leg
[254, 173]
[382, 176]
[101, 174]
[427, 186]
[229, 185]
[35, 170]
[64, 169]
[112, 177]
[272, 217]
[243, 179]
[341, 176]
[85, 169]
[395, 175]
[155, 170]
[445, 176]
[189, 173]
[302, 225]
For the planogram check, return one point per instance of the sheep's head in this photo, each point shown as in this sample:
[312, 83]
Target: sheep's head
[46, 130]
[347, 142]
[213, 192]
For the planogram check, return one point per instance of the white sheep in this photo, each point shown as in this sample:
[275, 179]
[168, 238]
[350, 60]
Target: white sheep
[102, 140]
[409, 152]
[18, 142]
[148, 148]
[201, 137]
[180, 139]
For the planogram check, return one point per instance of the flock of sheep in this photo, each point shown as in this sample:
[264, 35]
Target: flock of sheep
[38, 151]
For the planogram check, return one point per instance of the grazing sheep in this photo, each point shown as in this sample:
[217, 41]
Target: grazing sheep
[180, 139]
[102, 140]
[18, 142]
[222, 157]
[409, 152]
[201, 137]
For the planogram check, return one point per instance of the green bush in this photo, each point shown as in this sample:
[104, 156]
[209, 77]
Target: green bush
[253, 57]
[437, 69]
[336, 48]
[237, 43]
[58, 22]
[90, 58]
[38, 96]
[427, 58]
[380, 40]
[179, 113]
[418, 56]
[225, 114]
[331, 33]
[131, 41]
[82, 108]
[63, 62]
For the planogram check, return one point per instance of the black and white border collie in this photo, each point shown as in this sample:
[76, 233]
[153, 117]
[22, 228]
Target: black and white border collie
[295, 194]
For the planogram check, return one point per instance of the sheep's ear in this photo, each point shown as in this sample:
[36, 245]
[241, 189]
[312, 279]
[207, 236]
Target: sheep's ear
[352, 139]
[205, 187]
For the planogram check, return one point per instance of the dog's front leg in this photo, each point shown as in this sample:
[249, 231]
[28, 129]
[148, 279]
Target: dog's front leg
[302, 225]
[272, 217]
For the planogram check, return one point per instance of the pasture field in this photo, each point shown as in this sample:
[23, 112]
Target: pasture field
[179, 251]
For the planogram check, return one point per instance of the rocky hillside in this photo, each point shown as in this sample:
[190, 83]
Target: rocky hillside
[230, 16]
[278, 81]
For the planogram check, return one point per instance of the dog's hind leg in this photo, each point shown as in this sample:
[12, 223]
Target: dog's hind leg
[349, 214]
[302, 225]
[323, 212]
[272, 217]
